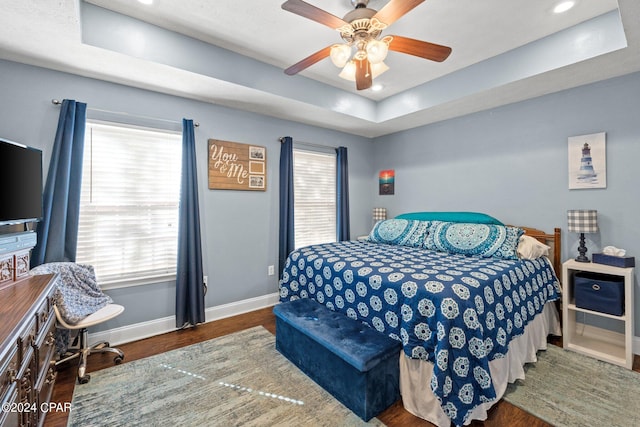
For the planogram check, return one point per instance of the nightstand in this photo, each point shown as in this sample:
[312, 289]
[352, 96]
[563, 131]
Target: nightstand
[596, 342]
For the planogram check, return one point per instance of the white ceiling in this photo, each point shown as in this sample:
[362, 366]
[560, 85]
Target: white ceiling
[48, 33]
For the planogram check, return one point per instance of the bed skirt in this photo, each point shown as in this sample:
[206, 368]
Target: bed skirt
[415, 375]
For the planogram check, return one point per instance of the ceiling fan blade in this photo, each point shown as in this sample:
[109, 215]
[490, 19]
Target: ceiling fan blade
[308, 61]
[426, 50]
[395, 9]
[364, 80]
[307, 10]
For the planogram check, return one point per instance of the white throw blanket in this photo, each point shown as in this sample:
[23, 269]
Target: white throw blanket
[77, 295]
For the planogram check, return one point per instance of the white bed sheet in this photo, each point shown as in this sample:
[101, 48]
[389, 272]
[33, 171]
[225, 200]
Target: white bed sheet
[415, 375]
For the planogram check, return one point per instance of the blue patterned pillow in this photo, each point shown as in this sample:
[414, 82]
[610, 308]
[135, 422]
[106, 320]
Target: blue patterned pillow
[404, 232]
[485, 240]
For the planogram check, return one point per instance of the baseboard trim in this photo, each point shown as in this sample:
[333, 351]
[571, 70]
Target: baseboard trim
[142, 330]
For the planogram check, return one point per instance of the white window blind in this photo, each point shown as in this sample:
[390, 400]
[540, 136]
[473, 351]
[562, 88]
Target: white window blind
[129, 204]
[314, 176]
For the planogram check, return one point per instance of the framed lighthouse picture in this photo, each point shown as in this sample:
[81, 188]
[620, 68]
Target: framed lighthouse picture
[587, 161]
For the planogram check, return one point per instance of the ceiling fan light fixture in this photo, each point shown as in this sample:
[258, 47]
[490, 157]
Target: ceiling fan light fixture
[340, 54]
[377, 69]
[349, 72]
[377, 51]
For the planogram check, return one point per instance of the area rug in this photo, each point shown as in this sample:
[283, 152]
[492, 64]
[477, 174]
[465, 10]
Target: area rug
[236, 380]
[565, 388]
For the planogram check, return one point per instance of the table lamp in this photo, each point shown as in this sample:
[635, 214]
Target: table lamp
[379, 214]
[582, 221]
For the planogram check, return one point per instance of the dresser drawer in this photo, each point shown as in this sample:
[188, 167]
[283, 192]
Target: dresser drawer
[45, 310]
[8, 372]
[24, 383]
[10, 418]
[45, 347]
[45, 390]
[26, 339]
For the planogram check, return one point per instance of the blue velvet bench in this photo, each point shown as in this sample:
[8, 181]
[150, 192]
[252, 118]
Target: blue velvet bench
[355, 363]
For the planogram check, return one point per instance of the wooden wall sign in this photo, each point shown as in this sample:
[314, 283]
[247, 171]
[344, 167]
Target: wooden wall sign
[235, 166]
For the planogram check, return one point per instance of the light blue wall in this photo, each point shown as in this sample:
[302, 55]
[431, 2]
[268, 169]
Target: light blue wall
[239, 228]
[511, 162]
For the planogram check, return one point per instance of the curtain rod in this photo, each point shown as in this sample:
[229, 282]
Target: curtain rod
[122, 113]
[310, 144]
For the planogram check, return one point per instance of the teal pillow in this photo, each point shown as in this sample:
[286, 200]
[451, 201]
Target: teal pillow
[469, 217]
[404, 232]
[485, 240]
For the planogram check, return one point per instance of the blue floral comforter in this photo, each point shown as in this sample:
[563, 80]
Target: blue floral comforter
[457, 312]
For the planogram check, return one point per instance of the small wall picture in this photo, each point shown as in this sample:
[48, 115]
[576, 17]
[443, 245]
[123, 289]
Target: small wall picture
[256, 181]
[256, 153]
[587, 161]
[387, 182]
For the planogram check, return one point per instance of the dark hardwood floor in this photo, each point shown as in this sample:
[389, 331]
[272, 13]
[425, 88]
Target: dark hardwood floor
[502, 414]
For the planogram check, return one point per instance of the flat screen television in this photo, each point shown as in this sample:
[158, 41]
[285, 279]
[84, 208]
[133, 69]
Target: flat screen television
[20, 183]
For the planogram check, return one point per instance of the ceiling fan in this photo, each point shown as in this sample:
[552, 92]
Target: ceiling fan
[361, 29]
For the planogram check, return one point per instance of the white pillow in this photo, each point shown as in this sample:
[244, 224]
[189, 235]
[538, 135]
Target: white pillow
[530, 248]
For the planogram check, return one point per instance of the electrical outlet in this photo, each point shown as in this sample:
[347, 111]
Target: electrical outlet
[205, 280]
[271, 270]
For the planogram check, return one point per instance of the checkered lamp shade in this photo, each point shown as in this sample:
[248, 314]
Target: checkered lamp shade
[379, 214]
[582, 221]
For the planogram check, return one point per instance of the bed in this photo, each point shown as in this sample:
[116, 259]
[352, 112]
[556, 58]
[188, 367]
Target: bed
[468, 309]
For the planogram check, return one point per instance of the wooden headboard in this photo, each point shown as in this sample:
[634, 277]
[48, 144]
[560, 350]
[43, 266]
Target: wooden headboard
[552, 240]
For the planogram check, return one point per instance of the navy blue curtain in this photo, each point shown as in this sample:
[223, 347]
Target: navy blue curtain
[342, 181]
[58, 230]
[189, 276]
[287, 233]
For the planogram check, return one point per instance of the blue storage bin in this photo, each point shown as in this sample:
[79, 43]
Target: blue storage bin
[599, 292]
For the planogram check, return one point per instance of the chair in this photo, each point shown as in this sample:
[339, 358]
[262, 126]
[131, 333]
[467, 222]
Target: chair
[78, 304]
[82, 350]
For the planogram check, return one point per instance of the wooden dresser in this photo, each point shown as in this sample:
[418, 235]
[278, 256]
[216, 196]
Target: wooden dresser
[27, 349]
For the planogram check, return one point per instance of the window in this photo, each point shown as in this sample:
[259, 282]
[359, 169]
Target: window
[314, 176]
[129, 204]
